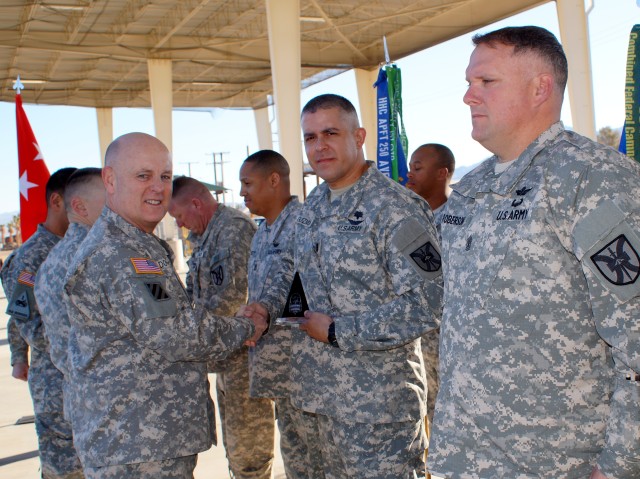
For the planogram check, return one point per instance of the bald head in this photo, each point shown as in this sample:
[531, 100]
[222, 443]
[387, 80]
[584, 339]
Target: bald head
[137, 176]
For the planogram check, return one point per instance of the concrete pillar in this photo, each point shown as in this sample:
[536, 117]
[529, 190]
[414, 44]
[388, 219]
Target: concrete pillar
[368, 112]
[574, 33]
[105, 130]
[160, 83]
[283, 22]
[263, 127]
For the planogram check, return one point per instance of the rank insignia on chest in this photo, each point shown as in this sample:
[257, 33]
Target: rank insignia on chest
[145, 266]
[427, 258]
[618, 261]
[217, 275]
[27, 278]
[157, 291]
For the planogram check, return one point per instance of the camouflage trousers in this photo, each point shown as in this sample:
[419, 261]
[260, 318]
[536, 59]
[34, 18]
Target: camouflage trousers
[58, 457]
[376, 451]
[298, 429]
[247, 424]
[430, 344]
[178, 468]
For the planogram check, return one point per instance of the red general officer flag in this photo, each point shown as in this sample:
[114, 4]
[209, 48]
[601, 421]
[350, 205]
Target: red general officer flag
[33, 175]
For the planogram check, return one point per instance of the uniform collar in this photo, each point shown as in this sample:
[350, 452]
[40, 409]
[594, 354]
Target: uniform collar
[484, 179]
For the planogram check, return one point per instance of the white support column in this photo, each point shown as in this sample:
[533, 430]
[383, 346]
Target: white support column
[105, 130]
[574, 32]
[263, 127]
[283, 21]
[160, 83]
[368, 111]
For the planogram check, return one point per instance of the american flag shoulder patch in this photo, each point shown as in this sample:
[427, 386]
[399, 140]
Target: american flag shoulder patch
[146, 266]
[27, 277]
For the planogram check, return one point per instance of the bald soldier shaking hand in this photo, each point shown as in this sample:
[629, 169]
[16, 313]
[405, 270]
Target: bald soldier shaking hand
[138, 347]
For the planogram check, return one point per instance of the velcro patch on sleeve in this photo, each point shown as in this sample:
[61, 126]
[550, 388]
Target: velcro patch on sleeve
[417, 246]
[157, 291]
[145, 266]
[611, 251]
[27, 278]
[19, 306]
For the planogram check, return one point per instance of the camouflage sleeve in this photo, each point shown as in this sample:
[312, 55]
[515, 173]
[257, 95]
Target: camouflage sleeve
[24, 311]
[18, 346]
[607, 243]
[411, 254]
[156, 312]
[236, 245]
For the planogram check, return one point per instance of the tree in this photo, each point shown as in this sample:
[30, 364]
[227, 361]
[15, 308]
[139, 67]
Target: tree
[610, 137]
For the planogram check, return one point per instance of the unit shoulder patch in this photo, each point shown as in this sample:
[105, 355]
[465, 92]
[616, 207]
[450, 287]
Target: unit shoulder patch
[618, 261]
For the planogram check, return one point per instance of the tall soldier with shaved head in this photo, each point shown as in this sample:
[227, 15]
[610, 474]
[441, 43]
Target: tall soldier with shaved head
[217, 278]
[138, 346]
[55, 441]
[540, 336]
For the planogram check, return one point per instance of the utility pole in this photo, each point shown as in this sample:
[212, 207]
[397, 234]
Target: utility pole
[215, 164]
[189, 163]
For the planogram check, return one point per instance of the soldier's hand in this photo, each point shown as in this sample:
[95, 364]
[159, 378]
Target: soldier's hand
[20, 371]
[259, 315]
[597, 474]
[316, 325]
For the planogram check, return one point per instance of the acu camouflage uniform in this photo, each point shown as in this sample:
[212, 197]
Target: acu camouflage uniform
[370, 260]
[218, 280]
[18, 346]
[55, 439]
[540, 338]
[138, 350]
[48, 292]
[270, 277]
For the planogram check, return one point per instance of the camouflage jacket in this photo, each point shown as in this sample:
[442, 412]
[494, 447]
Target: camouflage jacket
[25, 324]
[270, 276]
[137, 350]
[217, 274]
[18, 346]
[540, 328]
[370, 260]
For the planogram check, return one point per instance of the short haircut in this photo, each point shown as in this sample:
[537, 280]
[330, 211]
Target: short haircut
[183, 185]
[269, 161]
[444, 156]
[532, 39]
[78, 180]
[57, 182]
[328, 101]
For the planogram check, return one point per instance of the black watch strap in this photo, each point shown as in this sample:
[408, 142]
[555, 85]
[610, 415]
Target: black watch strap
[331, 336]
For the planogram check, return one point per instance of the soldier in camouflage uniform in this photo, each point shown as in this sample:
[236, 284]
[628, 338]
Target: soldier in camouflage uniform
[264, 178]
[218, 280]
[138, 346]
[55, 442]
[368, 257]
[540, 338]
[430, 171]
[84, 199]
[18, 346]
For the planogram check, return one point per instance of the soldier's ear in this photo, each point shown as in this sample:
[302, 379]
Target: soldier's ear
[78, 207]
[109, 179]
[274, 179]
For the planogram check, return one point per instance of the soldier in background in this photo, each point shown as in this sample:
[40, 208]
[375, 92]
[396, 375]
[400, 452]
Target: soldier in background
[55, 441]
[540, 338]
[138, 346]
[367, 254]
[84, 199]
[430, 171]
[217, 280]
[264, 179]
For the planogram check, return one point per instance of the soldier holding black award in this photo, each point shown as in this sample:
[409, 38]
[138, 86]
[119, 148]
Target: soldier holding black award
[368, 259]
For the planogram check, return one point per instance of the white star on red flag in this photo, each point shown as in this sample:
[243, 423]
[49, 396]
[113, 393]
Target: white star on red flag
[25, 186]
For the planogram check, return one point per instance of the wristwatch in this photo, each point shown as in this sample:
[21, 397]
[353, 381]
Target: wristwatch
[331, 335]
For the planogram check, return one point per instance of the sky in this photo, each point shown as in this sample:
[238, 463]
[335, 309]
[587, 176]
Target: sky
[433, 83]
